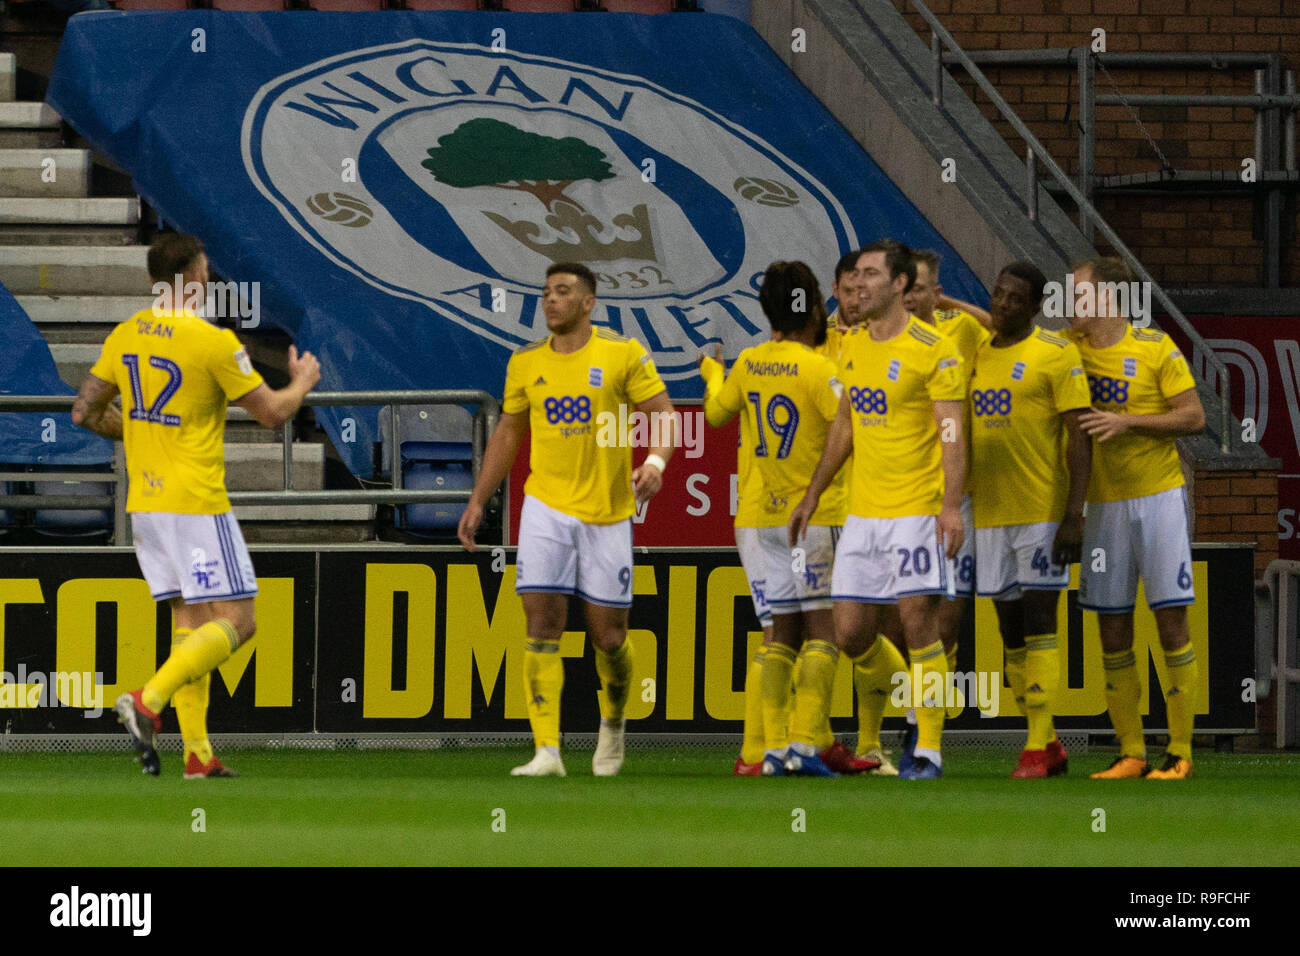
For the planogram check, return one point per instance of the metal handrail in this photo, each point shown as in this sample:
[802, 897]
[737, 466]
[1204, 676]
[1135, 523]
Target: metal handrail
[939, 36]
[485, 417]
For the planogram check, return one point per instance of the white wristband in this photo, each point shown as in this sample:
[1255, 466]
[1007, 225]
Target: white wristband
[657, 461]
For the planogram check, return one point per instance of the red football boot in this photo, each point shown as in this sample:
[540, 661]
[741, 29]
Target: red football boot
[843, 760]
[743, 769]
[1032, 765]
[1057, 761]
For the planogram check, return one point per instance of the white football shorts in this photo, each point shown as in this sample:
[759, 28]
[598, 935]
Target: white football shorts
[879, 560]
[1012, 558]
[963, 569]
[195, 557]
[799, 578]
[752, 561]
[566, 555]
[1146, 536]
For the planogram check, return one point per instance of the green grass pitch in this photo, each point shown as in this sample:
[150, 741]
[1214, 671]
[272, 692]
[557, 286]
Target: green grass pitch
[669, 806]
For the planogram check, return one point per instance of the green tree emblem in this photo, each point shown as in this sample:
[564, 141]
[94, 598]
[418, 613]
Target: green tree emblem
[488, 152]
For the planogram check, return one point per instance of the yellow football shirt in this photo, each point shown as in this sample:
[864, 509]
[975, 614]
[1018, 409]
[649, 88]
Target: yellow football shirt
[1018, 439]
[787, 396]
[176, 373]
[892, 387]
[969, 336]
[581, 411]
[1135, 376]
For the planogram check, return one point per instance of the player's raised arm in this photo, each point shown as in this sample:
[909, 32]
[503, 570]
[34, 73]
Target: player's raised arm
[948, 302]
[94, 411]
[497, 461]
[839, 445]
[720, 404]
[1067, 545]
[647, 479]
[952, 446]
[272, 407]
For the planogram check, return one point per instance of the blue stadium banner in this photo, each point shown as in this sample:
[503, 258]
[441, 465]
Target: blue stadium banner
[397, 185]
[27, 368]
[430, 640]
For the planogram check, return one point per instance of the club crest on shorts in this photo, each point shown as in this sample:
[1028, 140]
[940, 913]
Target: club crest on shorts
[476, 169]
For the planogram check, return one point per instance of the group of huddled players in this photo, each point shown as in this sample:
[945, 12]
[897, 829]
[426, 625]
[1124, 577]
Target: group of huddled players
[975, 441]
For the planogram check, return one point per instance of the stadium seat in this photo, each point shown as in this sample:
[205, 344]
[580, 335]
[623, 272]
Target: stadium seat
[249, 6]
[436, 423]
[347, 6]
[68, 523]
[441, 4]
[435, 464]
[151, 4]
[638, 6]
[540, 6]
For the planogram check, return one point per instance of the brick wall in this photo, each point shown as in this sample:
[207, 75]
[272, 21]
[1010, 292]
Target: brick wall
[1237, 506]
[1184, 241]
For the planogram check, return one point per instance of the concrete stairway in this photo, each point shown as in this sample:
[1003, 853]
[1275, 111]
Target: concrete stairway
[74, 263]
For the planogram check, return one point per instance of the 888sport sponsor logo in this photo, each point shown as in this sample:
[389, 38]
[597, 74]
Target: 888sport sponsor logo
[1107, 391]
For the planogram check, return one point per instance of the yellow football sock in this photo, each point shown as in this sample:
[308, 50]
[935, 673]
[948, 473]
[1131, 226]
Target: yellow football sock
[544, 680]
[822, 736]
[930, 713]
[1042, 677]
[812, 700]
[1015, 666]
[1123, 691]
[615, 670]
[751, 747]
[1179, 701]
[958, 698]
[203, 650]
[778, 665]
[191, 704]
[873, 679]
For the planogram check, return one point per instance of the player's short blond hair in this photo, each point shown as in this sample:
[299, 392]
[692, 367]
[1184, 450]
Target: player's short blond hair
[1106, 269]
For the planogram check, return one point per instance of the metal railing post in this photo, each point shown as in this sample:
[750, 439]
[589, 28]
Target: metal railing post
[121, 526]
[286, 445]
[936, 50]
[1087, 144]
[396, 453]
[1031, 194]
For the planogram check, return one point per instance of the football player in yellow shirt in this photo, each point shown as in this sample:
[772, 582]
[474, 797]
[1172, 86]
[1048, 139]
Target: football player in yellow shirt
[848, 304]
[176, 373]
[1143, 398]
[1028, 395]
[575, 532]
[901, 418]
[787, 395]
[959, 323]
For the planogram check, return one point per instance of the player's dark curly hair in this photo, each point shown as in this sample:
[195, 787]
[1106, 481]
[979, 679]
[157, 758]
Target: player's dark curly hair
[171, 254]
[1029, 273]
[785, 309]
[897, 257]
